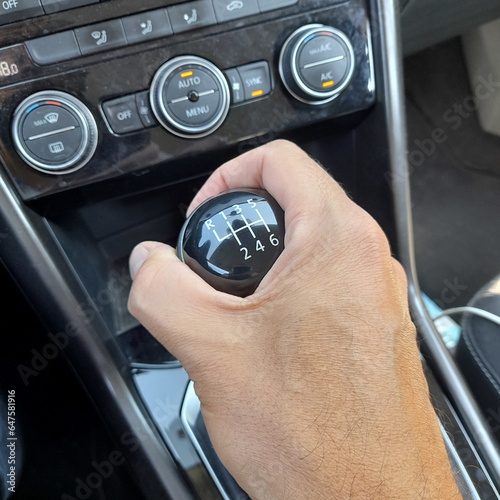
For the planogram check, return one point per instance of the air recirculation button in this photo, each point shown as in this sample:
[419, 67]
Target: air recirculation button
[190, 97]
[54, 132]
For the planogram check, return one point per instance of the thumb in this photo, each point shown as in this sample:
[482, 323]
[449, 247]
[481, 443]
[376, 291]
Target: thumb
[179, 308]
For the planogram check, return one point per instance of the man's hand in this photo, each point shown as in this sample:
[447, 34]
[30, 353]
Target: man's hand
[312, 387]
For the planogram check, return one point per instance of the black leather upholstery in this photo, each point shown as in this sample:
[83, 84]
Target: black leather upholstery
[478, 353]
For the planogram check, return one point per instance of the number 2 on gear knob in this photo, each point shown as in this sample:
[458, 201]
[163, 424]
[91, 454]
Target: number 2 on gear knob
[233, 239]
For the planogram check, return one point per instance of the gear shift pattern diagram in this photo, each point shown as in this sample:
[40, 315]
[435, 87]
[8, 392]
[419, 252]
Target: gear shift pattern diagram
[232, 240]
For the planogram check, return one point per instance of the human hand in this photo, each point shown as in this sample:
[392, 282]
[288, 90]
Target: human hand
[311, 387]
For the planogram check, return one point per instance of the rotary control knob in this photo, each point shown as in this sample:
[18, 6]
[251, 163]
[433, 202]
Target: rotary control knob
[316, 63]
[54, 132]
[190, 97]
[232, 240]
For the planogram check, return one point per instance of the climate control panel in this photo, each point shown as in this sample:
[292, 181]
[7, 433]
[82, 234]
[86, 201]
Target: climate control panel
[147, 109]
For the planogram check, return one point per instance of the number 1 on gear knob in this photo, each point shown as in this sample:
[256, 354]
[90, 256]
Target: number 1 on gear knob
[233, 239]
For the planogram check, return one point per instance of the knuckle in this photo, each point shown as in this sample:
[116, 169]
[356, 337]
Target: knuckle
[369, 236]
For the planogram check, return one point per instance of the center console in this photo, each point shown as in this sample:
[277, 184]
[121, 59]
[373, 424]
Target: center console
[114, 113]
[109, 95]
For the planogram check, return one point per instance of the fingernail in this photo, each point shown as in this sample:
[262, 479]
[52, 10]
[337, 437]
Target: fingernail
[137, 258]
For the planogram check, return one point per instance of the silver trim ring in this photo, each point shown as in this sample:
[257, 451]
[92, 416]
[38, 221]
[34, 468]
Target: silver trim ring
[87, 124]
[324, 97]
[164, 115]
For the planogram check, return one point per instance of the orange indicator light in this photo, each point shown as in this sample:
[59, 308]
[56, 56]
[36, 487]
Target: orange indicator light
[257, 93]
[328, 84]
[186, 74]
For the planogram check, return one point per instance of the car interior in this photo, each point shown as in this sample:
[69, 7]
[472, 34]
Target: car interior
[115, 112]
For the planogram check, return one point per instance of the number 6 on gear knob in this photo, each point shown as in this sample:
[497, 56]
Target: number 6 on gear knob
[233, 239]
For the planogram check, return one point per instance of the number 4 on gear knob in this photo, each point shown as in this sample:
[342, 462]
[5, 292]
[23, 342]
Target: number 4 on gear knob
[233, 239]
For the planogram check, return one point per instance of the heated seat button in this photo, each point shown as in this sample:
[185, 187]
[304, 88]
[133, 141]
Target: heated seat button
[16, 10]
[122, 115]
[256, 79]
[58, 148]
[191, 15]
[102, 36]
[147, 25]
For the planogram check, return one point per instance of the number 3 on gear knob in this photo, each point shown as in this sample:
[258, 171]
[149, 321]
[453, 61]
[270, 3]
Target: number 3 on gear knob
[233, 239]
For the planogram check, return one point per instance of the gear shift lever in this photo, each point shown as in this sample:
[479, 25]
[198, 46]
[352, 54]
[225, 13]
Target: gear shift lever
[233, 239]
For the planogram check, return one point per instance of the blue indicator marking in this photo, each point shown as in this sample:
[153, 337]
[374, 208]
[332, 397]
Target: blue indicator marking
[31, 108]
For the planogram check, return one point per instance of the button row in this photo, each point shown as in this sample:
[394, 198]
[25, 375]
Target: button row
[17, 10]
[140, 27]
[133, 112]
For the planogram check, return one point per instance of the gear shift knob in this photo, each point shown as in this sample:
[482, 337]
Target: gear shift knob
[233, 239]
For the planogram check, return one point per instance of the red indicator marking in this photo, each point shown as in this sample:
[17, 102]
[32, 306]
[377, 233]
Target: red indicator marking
[53, 103]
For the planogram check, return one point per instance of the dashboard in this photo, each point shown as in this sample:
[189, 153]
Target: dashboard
[167, 83]
[113, 113]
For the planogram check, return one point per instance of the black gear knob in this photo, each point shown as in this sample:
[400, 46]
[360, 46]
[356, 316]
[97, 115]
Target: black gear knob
[233, 239]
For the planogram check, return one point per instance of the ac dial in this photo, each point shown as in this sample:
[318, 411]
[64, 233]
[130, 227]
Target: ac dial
[316, 63]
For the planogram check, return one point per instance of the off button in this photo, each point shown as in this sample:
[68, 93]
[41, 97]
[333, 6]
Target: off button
[16, 10]
[122, 115]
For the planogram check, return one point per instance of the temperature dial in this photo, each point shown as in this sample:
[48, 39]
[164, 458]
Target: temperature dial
[316, 63]
[232, 240]
[190, 97]
[54, 132]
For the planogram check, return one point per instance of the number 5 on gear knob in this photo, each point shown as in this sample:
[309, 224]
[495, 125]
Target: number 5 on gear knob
[233, 239]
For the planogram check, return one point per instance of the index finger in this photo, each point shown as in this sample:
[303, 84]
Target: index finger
[281, 168]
